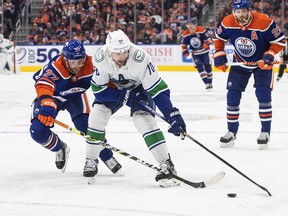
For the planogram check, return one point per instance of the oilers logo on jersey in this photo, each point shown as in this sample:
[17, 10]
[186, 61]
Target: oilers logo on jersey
[245, 47]
[72, 91]
[195, 42]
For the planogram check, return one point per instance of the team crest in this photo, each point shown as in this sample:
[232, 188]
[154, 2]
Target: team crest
[245, 46]
[195, 42]
[77, 49]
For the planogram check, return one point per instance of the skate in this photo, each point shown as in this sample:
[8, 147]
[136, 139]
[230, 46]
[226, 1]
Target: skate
[62, 157]
[263, 141]
[164, 177]
[278, 78]
[209, 86]
[114, 166]
[90, 168]
[227, 140]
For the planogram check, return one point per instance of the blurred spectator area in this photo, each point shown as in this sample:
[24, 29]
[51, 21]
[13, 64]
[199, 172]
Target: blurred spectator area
[145, 21]
[10, 12]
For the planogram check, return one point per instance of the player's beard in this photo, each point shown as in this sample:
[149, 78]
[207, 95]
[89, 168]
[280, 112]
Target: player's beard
[243, 20]
[120, 63]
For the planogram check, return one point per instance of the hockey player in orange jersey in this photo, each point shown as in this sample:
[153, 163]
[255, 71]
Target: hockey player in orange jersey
[256, 38]
[195, 41]
[61, 85]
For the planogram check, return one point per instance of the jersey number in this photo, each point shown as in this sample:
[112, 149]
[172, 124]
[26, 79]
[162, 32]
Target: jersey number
[151, 68]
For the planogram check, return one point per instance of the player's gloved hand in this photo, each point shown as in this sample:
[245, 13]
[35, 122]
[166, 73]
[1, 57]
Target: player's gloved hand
[186, 54]
[176, 121]
[268, 59]
[206, 44]
[134, 98]
[48, 112]
[220, 60]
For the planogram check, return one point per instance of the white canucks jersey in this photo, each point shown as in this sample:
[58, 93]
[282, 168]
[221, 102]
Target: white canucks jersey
[138, 70]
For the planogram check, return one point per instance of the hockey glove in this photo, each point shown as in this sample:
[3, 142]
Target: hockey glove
[206, 44]
[48, 112]
[176, 121]
[220, 60]
[268, 59]
[135, 99]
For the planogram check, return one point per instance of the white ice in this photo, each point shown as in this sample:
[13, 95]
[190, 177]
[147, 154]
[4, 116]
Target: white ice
[30, 184]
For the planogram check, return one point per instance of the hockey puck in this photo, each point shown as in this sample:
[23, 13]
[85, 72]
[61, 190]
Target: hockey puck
[231, 195]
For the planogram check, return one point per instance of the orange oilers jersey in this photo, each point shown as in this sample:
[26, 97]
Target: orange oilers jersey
[193, 42]
[250, 42]
[55, 80]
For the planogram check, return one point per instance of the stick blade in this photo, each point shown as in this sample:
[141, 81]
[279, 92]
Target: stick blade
[215, 179]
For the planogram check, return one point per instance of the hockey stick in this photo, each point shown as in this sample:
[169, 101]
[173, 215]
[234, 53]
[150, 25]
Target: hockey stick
[247, 63]
[203, 184]
[204, 147]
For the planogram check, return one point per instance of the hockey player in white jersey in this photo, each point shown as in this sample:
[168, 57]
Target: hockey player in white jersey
[125, 75]
[6, 50]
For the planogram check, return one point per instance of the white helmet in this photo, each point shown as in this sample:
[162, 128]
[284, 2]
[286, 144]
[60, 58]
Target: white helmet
[117, 41]
[1, 38]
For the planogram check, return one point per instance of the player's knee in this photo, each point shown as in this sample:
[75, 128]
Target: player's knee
[208, 68]
[39, 132]
[81, 122]
[200, 67]
[99, 117]
[233, 98]
[263, 94]
[144, 122]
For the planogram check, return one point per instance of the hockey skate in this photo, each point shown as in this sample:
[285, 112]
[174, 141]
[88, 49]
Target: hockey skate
[227, 140]
[90, 170]
[114, 166]
[164, 177]
[62, 157]
[263, 141]
[209, 86]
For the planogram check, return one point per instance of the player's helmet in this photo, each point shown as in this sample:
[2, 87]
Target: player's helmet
[74, 50]
[1, 38]
[240, 4]
[117, 41]
[192, 20]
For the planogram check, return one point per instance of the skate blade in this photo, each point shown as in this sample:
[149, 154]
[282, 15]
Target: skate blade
[168, 183]
[91, 180]
[263, 146]
[67, 152]
[119, 173]
[227, 145]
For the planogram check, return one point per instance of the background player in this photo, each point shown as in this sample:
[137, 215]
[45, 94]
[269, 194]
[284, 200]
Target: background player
[255, 37]
[125, 75]
[284, 59]
[6, 51]
[194, 40]
[62, 85]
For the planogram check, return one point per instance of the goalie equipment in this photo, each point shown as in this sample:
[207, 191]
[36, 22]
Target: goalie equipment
[227, 140]
[62, 157]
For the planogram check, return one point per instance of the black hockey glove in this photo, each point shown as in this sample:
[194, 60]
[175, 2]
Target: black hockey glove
[134, 98]
[176, 121]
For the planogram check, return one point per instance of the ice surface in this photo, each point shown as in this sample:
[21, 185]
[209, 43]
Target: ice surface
[30, 184]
